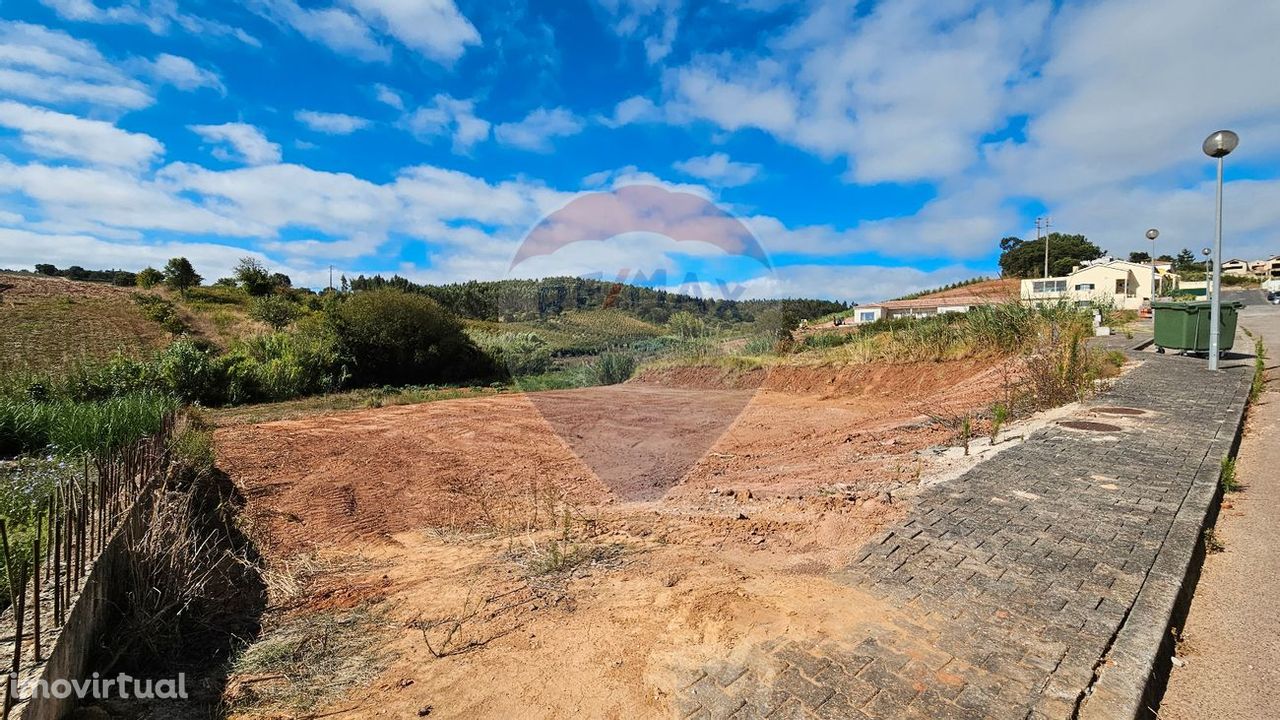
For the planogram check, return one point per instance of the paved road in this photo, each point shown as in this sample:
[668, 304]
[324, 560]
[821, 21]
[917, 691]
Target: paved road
[1007, 587]
[1231, 642]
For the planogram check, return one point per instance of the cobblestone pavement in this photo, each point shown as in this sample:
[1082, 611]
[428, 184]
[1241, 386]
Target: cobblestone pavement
[1007, 585]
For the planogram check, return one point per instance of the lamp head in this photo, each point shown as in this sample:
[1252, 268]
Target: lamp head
[1220, 143]
[1152, 234]
[1206, 252]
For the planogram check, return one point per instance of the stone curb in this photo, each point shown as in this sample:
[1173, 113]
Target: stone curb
[1132, 676]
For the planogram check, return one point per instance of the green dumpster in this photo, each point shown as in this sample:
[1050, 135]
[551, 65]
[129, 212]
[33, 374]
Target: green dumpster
[1185, 326]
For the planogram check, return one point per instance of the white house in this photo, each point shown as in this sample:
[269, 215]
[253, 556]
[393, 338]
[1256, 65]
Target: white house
[1120, 283]
[919, 307]
[1236, 267]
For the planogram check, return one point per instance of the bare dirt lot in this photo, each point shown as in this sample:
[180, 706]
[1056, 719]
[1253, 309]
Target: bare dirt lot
[579, 553]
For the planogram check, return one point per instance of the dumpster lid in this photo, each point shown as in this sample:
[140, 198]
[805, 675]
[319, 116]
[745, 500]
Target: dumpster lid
[1194, 305]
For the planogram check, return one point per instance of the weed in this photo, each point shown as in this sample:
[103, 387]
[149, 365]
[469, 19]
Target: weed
[1259, 369]
[999, 416]
[1213, 545]
[1227, 475]
[966, 433]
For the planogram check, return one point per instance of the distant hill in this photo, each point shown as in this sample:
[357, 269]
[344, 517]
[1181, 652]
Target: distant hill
[508, 300]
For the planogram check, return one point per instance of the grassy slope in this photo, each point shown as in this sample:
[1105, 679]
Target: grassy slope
[50, 323]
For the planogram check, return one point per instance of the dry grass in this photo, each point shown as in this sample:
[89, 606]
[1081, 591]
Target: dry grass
[51, 334]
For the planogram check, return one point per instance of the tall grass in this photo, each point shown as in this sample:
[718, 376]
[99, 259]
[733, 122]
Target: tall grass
[67, 427]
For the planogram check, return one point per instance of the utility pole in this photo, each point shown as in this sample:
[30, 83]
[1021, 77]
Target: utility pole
[330, 278]
[1043, 223]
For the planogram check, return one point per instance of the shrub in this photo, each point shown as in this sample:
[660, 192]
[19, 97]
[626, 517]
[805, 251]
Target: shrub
[397, 338]
[686, 326]
[611, 368]
[521, 353]
[148, 278]
[278, 366]
[191, 370]
[162, 311]
[277, 311]
[118, 375]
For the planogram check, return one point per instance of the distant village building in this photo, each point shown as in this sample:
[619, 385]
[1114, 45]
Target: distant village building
[919, 307]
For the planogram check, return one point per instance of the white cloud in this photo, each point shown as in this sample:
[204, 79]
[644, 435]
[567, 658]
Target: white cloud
[635, 109]
[718, 169]
[853, 283]
[210, 259]
[656, 21]
[52, 67]
[538, 128]
[904, 92]
[53, 134]
[90, 198]
[433, 28]
[247, 143]
[388, 96]
[182, 73]
[447, 116]
[341, 31]
[158, 16]
[331, 123]
[1110, 106]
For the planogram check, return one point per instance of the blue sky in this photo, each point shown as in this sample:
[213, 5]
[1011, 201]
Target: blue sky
[873, 147]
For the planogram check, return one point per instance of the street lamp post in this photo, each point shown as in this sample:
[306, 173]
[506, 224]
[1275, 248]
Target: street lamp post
[1218, 145]
[1152, 234]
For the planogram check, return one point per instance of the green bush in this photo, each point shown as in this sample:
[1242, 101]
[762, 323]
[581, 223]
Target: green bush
[278, 311]
[522, 353]
[397, 338]
[191, 371]
[163, 312]
[279, 366]
[611, 368]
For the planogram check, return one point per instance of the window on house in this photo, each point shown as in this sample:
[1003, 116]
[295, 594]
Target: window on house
[1048, 286]
[867, 316]
[1084, 286]
[1121, 287]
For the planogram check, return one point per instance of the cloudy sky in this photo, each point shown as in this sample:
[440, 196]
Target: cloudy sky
[872, 147]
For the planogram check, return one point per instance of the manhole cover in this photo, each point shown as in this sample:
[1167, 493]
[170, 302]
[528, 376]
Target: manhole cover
[1089, 425]
[1119, 411]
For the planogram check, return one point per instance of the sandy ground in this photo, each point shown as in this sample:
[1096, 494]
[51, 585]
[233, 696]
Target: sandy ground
[1231, 643]
[577, 553]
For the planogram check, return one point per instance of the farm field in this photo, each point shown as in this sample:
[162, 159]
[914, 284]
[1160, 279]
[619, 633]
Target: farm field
[578, 552]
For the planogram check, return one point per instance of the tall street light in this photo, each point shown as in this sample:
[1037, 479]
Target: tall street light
[1218, 145]
[1152, 234]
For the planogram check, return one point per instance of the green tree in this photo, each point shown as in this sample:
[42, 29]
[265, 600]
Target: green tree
[149, 277]
[180, 275]
[776, 323]
[1140, 257]
[398, 338]
[1026, 260]
[1185, 260]
[254, 277]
